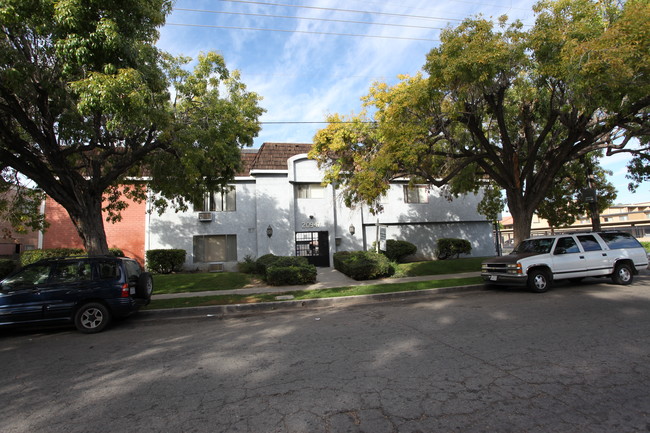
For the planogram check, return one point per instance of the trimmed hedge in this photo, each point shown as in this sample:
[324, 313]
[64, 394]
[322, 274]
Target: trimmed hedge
[450, 247]
[165, 261]
[32, 256]
[7, 266]
[363, 265]
[396, 250]
[289, 275]
[285, 270]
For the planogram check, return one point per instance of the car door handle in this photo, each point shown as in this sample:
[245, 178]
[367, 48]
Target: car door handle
[582, 257]
[604, 254]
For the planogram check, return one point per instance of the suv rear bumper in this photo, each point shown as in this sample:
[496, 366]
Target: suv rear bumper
[505, 279]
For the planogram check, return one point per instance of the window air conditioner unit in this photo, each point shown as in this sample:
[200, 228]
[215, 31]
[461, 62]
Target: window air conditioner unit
[215, 267]
[205, 216]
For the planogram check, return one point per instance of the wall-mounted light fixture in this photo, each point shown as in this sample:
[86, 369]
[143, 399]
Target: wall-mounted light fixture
[269, 231]
[352, 230]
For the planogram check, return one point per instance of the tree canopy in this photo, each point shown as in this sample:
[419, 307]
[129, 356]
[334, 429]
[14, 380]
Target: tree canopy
[502, 106]
[88, 104]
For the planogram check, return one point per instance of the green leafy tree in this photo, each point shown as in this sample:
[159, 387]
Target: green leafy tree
[565, 202]
[502, 103]
[88, 103]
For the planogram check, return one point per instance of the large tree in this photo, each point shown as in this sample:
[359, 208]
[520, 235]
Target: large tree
[503, 103]
[88, 104]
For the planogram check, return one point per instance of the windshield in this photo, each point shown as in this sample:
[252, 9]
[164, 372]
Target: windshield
[537, 246]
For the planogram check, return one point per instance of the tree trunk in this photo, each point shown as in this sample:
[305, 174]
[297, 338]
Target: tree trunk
[522, 216]
[88, 220]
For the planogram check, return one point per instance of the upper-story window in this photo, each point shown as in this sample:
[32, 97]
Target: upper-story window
[416, 194]
[218, 202]
[310, 190]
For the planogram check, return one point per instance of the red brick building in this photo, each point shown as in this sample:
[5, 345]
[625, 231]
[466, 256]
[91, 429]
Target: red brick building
[127, 235]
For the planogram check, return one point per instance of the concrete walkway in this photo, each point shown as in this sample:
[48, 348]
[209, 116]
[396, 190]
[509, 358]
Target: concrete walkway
[327, 278]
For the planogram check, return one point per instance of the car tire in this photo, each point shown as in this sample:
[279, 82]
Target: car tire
[623, 274]
[539, 281]
[92, 317]
[144, 286]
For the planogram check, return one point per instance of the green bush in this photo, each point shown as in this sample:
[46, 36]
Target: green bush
[363, 265]
[450, 247]
[248, 266]
[263, 262]
[646, 245]
[396, 250]
[116, 252]
[32, 256]
[288, 275]
[165, 261]
[7, 266]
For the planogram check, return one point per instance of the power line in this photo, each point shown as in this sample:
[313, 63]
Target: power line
[302, 31]
[342, 10]
[308, 18]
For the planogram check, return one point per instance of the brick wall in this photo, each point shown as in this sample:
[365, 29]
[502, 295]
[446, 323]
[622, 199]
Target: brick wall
[127, 235]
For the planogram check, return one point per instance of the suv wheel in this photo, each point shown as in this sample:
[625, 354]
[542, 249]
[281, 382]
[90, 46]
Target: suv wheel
[144, 286]
[622, 274]
[539, 281]
[92, 317]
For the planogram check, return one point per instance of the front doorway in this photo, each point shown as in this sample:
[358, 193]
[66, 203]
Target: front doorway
[315, 246]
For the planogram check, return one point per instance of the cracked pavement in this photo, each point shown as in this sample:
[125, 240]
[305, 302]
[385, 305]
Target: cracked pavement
[576, 359]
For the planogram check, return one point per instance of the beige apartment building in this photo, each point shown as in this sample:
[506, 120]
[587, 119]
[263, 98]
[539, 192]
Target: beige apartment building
[631, 218]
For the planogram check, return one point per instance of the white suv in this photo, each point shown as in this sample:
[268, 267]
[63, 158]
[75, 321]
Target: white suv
[537, 262]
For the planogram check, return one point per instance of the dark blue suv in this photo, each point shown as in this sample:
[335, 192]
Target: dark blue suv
[87, 291]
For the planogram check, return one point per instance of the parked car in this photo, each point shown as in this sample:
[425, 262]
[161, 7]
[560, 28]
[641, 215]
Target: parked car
[87, 291]
[537, 262]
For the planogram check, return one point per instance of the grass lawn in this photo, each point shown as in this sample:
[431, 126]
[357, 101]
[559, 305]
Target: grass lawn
[439, 267]
[203, 301]
[199, 282]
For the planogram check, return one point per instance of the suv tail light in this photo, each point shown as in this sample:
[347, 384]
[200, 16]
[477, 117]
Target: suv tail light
[125, 290]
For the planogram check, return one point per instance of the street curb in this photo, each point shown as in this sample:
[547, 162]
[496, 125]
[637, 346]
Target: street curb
[234, 310]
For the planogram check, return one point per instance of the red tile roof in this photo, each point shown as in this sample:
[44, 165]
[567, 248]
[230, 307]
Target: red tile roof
[274, 156]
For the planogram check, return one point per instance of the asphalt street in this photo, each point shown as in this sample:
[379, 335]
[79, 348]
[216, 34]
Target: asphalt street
[576, 359]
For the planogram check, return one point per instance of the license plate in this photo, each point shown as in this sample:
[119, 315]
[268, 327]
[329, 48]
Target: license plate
[493, 277]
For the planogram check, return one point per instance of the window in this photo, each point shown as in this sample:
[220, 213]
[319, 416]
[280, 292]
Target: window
[71, 272]
[566, 246]
[416, 194]
[215, 248]
[310, 190]
[218, 201]
[589, 243]
[620, 240]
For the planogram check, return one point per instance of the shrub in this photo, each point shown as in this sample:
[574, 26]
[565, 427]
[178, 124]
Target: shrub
[450, 247]
[248, 266]
[263, 262]
[646, 245]
[116, 252]
[287, 275]
[7, 266]
[396, 250]
[32, 256]
[165, 261]
[363, 265]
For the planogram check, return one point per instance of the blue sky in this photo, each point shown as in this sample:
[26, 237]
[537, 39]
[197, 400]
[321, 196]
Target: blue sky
[319, 57]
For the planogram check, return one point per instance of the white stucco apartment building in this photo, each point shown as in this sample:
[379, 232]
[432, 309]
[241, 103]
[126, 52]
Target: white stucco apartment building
[279, 206]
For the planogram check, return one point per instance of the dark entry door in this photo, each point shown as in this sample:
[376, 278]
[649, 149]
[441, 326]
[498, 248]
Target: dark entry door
[315, 246]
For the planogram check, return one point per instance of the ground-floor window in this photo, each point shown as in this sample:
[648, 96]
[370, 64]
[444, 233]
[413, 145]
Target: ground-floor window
[215, 248]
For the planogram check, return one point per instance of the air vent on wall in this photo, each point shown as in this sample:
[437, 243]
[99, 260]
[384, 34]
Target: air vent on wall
[205, 216]
[215, 267]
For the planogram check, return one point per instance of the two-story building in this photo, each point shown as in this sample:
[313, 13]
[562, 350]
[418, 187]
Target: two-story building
[278, 205]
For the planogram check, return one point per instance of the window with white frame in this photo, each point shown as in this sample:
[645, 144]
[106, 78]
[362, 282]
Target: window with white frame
[215, 248]
[225, 201]
[310, 190]
[416, 194]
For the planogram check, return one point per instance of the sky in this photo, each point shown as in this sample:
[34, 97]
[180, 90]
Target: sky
[311, 58]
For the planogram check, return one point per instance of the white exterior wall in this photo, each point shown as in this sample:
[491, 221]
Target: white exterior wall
[267, 198]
